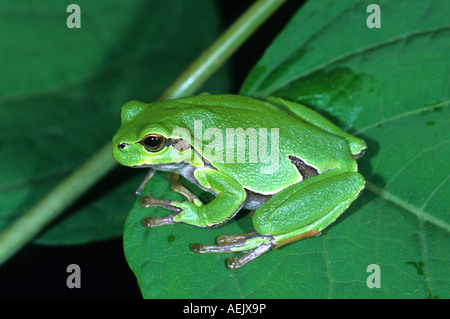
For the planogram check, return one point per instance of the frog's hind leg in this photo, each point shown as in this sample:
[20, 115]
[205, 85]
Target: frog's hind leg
[234, 262]
[226, 244]
[301, 211]
[253, 244]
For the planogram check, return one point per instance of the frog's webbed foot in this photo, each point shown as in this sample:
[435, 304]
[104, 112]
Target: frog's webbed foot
[149, 201]
[236, 262]
[181, 189]
[254, 243]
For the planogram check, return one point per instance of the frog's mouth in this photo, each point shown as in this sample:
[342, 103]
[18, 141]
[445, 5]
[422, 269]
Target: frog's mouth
[142, 166]
[161, 167]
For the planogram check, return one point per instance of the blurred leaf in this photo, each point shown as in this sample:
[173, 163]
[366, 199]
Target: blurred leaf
[63, 88]
[389, 86]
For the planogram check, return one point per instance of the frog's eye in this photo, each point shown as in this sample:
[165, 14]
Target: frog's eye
[153, 142]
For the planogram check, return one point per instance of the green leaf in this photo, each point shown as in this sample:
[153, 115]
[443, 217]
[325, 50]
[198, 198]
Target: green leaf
[64, 89]
[387, 85]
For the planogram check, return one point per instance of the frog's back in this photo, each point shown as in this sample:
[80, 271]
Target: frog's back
[316, 148]
[296, 137]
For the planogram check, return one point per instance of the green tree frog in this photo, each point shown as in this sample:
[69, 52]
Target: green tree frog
[294, 169]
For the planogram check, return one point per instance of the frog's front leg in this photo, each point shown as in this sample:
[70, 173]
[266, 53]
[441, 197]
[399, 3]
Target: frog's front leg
[229, 199]
[300, 211]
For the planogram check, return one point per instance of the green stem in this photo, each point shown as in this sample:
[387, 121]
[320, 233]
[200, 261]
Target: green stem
[27, 226]
[24, 228]
[211, 59]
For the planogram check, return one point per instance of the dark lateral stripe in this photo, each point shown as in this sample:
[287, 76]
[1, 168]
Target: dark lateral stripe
[305, 170]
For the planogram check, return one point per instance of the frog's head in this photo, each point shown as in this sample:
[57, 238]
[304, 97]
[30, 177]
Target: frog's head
[144, 140]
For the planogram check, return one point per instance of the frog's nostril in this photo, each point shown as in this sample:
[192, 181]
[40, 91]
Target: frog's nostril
[122, 145]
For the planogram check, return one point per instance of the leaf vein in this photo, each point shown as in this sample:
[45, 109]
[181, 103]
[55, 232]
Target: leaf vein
[405, 114]
[348, 55]
[418, 212]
